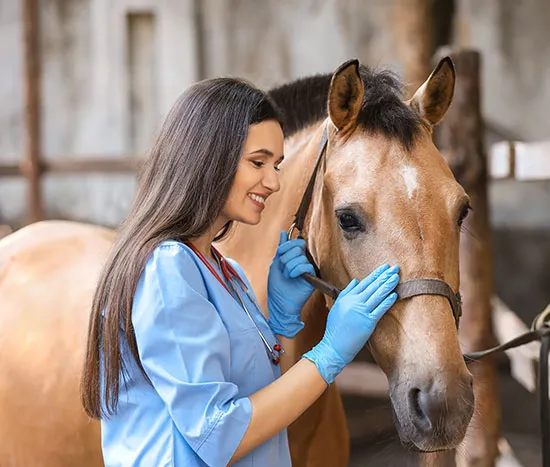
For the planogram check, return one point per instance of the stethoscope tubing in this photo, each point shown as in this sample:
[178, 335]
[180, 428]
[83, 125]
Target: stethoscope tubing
[232, 276]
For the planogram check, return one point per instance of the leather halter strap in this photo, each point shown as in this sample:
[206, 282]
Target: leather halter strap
[406, 289]
[427, 286]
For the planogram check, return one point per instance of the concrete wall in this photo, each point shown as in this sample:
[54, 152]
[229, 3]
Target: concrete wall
[513, 37]
[274, 41]
[110, 69]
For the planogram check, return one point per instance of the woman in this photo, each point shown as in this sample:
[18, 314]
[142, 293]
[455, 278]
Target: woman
[181, 367]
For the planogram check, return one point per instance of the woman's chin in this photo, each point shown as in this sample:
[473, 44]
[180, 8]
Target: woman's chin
[253, 219]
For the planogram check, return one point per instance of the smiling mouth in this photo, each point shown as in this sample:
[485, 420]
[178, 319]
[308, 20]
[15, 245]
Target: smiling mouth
[258, 200]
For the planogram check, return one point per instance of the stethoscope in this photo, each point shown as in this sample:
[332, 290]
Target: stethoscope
[233, 277]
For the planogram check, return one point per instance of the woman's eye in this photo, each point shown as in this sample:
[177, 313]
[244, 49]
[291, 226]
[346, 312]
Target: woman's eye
[258, 164]
[277, 168]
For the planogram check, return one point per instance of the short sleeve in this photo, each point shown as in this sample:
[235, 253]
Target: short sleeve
[185, 351]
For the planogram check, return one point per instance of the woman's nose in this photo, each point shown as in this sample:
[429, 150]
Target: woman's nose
[271, 180]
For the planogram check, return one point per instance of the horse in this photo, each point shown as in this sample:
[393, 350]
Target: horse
[384, 194]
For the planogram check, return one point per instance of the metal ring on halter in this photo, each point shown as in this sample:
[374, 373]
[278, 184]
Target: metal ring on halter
[542, 320]
[291, 230]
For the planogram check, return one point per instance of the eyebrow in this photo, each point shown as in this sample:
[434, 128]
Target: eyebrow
[266, 152]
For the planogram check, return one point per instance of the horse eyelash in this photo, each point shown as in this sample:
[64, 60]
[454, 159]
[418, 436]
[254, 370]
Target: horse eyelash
[467, 209]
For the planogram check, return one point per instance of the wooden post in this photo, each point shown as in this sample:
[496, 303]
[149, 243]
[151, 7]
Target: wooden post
[460, 139]
[30, 166]
[415, 40]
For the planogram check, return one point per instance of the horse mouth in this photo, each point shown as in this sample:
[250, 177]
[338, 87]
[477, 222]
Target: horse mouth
[424, 446]
[410, 446]
[416, 440]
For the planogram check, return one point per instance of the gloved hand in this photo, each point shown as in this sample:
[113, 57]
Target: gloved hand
[287, 291]
[352, 319]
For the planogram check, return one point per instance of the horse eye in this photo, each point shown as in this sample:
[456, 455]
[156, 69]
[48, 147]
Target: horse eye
[463, 214]
[349, 222]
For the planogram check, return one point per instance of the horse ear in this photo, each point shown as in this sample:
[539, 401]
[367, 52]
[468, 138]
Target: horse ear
[434, 97]
[345, 95]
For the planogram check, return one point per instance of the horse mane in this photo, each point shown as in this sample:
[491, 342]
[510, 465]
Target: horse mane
[304, 102]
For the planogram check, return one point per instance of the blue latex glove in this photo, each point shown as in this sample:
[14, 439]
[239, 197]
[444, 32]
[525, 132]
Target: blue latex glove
[352, 319]
[287, 291]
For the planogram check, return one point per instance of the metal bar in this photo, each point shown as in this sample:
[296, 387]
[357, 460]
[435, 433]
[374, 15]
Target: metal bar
[31, 163]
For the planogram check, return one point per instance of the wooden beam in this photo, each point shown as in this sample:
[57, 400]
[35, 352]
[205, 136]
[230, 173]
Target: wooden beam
[10, 170]
[460, 139]
[523, 161]
[507, 159]
[121, 164]
[501, 160]
[31, 163]
[414, 32]
[78, 165]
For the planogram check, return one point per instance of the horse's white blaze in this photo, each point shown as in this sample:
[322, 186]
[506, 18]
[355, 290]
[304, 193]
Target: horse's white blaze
[409, 175]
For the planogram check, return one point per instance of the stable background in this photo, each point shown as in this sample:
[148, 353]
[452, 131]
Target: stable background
[84, 90]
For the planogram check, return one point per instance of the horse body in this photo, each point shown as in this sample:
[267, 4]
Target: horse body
[382, 197]
[47, 276]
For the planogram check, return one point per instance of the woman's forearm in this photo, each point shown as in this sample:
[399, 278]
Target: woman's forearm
[277, 405]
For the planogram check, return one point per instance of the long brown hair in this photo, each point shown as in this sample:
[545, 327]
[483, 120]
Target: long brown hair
[182, 189]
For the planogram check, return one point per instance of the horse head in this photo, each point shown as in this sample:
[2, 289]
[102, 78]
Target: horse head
[386, 195]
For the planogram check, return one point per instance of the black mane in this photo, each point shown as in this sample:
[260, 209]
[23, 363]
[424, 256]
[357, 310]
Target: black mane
[304, 102]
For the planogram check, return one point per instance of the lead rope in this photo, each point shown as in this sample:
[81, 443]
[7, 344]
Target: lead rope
[542, 321]
[540, 330]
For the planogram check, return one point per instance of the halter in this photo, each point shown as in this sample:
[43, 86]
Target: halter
[406, 289]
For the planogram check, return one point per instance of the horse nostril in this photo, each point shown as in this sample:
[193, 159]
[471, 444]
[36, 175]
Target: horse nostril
[438, 411]
[418, 402]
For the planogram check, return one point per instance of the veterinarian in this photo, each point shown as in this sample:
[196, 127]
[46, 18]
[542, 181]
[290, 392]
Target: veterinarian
[182, 368]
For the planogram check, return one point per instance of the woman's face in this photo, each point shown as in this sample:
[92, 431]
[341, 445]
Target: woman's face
[257, 176]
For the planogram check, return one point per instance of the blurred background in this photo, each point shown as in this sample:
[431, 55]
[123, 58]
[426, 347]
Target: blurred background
[84, 85]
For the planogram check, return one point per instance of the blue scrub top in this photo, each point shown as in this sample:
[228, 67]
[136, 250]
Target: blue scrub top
[204, 357]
